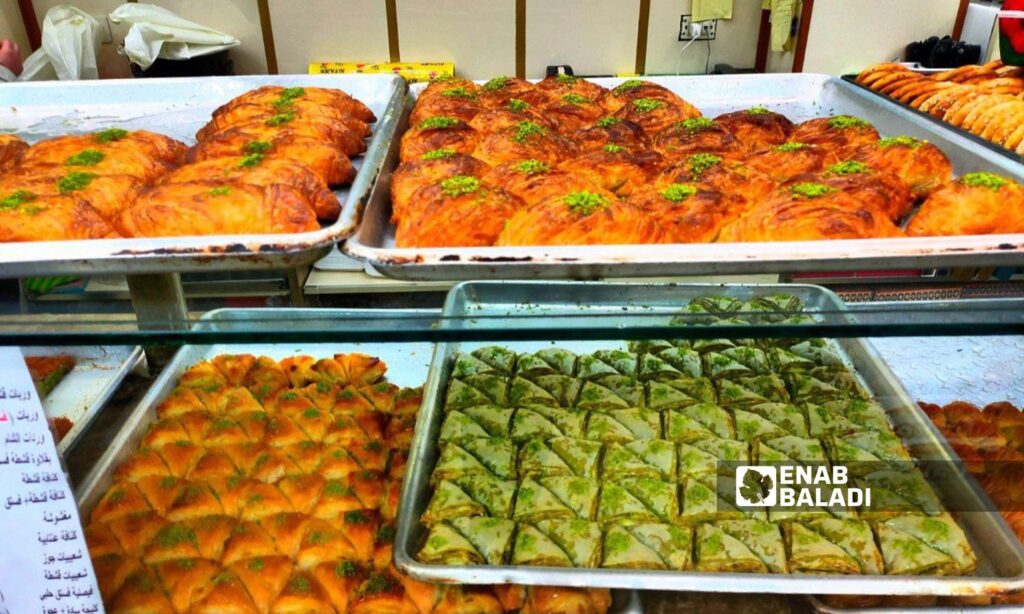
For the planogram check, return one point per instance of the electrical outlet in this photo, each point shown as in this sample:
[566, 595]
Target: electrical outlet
[708, 33]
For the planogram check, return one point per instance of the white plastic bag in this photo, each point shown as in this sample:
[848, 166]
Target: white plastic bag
[159, 33]
[70, 39]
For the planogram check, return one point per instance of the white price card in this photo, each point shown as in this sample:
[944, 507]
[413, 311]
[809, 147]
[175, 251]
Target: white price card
[44, 560]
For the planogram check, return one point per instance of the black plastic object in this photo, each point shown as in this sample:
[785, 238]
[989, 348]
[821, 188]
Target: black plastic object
[217, 64]
[942, 52]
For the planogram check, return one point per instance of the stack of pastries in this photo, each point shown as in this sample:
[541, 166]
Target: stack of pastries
[263, 164]
[987, 99]
[267, 486]
[567, 162]
[624, 459]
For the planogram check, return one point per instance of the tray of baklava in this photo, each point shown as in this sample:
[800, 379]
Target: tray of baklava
[596, 463]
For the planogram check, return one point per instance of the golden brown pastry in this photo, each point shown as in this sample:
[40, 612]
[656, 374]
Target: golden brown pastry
[264, 172]
[11, 150]
[711, 172]
[977, 203]
[515, 111]
[441, 84]
[635, 89]
[579, 218]
[788, 160]
[108, 194]
[842, 135]
[757, 128]
[500, 91]
[236, 138]
[25, 216]
[533, 181]
[921, 165]
[430, 168]
[698, 135]
[559, 85]
[68, 154]
[610, 130]
[655, 114]
[810, 212]
[687, 214]
[878, 189]
[616, 169]
[184, 209]
[562, 600]
[297, 112]
[435, 133]
[573, 111]
[458, 211]
[322, 159]
[524, 141]
[157, 147]
[454, 101]
[278, 97]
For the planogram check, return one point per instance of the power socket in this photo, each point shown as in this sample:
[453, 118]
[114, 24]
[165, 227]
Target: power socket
[709, 29]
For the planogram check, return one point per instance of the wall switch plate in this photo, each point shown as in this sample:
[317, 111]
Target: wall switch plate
[710, 29]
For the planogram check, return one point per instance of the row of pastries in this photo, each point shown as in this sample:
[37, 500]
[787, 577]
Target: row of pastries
[264, 163]
[624, 459]
[568, 162]
[272, 486]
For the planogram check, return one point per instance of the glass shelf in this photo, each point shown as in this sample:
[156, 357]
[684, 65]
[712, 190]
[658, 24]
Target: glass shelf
[282, 325]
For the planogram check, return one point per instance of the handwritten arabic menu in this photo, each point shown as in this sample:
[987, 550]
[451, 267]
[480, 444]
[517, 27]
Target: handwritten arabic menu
[44, 561]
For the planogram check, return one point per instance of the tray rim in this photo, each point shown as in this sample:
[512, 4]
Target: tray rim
[557, 262]
[408, 519]
[228, 252]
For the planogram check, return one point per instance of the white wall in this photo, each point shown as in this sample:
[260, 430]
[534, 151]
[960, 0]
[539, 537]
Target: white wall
[848, 35]
[735, 42]
[11, 26]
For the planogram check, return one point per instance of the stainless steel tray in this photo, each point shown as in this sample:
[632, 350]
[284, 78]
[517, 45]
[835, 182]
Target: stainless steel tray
[177, 108]
[799, 96]
[823, 608]
[1001, 557]
[80, 396]
[408, 365]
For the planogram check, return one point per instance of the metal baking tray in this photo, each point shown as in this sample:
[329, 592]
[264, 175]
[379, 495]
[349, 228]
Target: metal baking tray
[85, 390]
[800, 97]
[178, 107]
[1001, 556]
[823, 608]
[999, 149]
[408, 365]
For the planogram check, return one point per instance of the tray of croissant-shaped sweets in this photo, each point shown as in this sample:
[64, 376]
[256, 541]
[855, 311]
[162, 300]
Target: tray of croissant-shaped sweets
[142, 176]
[584, 178]
[596, 463]
[266, 479]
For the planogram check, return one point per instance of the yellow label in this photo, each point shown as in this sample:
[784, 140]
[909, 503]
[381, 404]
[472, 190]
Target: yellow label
[412, 71]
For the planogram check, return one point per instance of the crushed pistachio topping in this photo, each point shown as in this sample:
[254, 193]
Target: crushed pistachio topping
[629, 84]
[439, 122]
[460, 185]
[984, 180]
[606, 122]
[613, 148]
[678, 192]
[16, 199]
[496, 84]
[696, 124]
[221, 191]
[86, 157]
[110, 135]
[257, 147]
[291, 93]
[646, 105]
[458, 92]
[532, 167]
[250, 160]
[525, 130]
[757, 111]
[574, 98]
[849, 167]
[791, 146]
[584, 203]
[843, 122]
[900, 141]
[567, 79]
[811, 190]
[280, 119]
[438, 154]
[74, 181]
[701, 162]
[517, 106]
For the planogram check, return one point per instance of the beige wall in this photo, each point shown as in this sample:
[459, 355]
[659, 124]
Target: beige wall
[594, 36]
[847, 35]
[11, 26]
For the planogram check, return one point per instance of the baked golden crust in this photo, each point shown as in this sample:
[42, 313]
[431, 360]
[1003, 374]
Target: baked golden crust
[922, 166]
[688, 215]
[298, 112]
[447, 219]
[32, 217]
[11, 150]
[790, 217]
[108, 194]
[436, 133]
[880, 190]
[786, 161]
[417, 174]
[697, 136]
[498, 92]
[533, 181]
[206, 208]
[963, 209]
[718, 175]
[757, 128]
[322, 159]
[579, 218]
[616, 169]
[271, 95]
[523, 141]
[842, 135]
[610, 131]
[453, 101]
